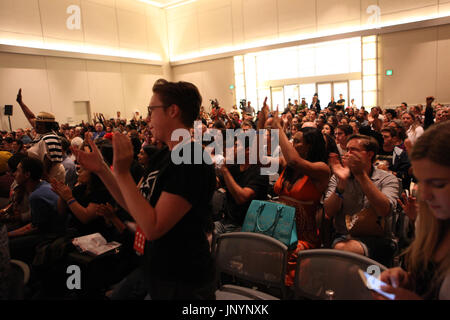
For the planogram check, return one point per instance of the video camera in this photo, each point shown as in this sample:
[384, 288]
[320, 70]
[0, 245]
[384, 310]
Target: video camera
[214, 103]
[242, 104]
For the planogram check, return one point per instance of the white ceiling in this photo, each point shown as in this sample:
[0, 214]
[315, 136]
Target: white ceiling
[165, 3]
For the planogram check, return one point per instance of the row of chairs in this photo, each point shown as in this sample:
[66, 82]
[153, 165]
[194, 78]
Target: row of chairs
[252, 266]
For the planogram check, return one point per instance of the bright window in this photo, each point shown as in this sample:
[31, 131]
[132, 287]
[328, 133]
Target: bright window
[307, 91]
[356, 92]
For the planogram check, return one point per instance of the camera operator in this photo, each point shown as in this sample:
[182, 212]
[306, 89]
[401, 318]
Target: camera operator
[247, 109]
[217, 112]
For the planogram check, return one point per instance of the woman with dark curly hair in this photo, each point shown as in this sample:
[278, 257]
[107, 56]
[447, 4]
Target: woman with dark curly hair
[301, 184]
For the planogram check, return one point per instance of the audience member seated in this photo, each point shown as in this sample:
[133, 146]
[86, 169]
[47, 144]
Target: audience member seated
[426, 273]
[45, 221]
[5, 179]
[301, 185]
[397, 158]
[413, 129]
[356, 186]
[17, 212]
[99, 132]
[243, 183]
[82, 203]
[342, 133]
[17, 146]
[21, 135]
[69, 164]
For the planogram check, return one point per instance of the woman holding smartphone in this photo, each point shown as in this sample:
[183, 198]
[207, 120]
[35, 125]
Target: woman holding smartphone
[427, 260]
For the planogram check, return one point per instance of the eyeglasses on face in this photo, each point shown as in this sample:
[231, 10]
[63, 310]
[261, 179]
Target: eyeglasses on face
[151, 108]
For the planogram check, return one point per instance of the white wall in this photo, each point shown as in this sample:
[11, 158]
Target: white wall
[203, 25]
[420, 64]
[213, 79]
[54, 84]
[110, 24]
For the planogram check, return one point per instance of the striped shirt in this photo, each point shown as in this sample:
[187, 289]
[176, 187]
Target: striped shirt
[53, 147]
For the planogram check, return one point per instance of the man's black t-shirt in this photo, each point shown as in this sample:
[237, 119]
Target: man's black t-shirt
[250, 178]
[332, 105]
[340, 104]
[183, 253]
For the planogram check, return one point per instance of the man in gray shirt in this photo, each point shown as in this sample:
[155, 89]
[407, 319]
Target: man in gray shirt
[356, 185]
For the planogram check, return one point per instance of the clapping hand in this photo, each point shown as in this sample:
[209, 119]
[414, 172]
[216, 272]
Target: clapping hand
[123, 153]
[355, 163]
[106, 211]
[92, 161]
[61, 190]
[342, 172]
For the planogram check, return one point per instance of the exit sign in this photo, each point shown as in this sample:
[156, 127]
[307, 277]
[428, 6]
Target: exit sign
[389, 72]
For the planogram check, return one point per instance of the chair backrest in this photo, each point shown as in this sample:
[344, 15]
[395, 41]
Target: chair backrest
[321, 270]
[253, 257]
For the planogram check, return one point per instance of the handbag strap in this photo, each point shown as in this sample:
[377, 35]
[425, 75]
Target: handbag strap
[260, 210]
[275, 221]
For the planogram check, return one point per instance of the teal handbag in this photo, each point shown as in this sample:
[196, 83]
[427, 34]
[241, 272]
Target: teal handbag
[273, 219]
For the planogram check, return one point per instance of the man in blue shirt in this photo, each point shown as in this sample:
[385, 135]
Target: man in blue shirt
[99, 132]
[45, 221]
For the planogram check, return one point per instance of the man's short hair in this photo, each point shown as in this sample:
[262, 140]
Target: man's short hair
[184, 94]
[34, 167]
[348, 130]
[392, 131]
[247, 123]
[369, 143]
[14, 161]
[65, 145]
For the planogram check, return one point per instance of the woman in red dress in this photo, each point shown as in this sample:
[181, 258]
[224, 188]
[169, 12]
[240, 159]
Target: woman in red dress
[301, 184]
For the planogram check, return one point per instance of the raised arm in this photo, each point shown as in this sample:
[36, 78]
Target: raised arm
[154, 221]
[263, 115]
[317, 171]
[28, 113]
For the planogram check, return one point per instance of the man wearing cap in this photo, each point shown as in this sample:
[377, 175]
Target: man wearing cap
[47, 144]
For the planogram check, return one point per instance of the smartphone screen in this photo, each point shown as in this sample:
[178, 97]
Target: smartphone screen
[375, 284]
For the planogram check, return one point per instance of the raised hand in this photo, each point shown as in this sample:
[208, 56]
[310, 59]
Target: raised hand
[263, 115]
[276, 121]
[123, 153]
[92, 161]
[19, 96]
[409, 206]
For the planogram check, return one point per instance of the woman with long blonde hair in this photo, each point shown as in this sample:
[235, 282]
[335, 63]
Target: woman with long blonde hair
[427, 260]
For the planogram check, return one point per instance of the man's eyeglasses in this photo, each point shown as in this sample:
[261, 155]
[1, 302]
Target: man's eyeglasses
[151, 108]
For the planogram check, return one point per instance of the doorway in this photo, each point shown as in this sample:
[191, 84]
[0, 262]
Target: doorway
[81, 112]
